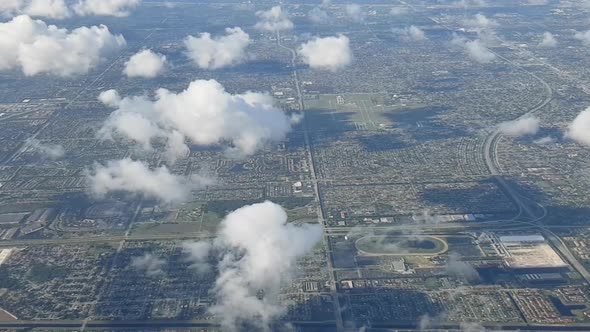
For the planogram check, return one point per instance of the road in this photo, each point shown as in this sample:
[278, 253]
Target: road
[104, 238]
[312, 167]
[330, 231]
[318, 325]
[491, 160]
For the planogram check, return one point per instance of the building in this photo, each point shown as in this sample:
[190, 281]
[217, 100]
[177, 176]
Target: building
[528, 252]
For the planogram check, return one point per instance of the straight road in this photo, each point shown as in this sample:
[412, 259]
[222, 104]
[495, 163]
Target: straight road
[320, 213]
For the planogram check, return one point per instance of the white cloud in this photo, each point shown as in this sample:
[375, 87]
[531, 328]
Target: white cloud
[412, 33]
[544, 140]
[478, 52]
[458, 268]
[37, 48]
[110, 98]
[548, 40]
[329, 53]
[8, 7]
[524, 126]
[472, 327]
[395, 11]
[579, 129]
[134, 120]
[576, 3]
[273, 20]
[416, 33]
[470, 3]
[474, 49]
[55, 9]
[117, 8]
[197, 253]
[259, 251]
[584, 37]
[149, 264]
[428, 322]
[51, 151]
[355, 12]
[204, 114]
[145, 64]
[215, 53]
[481, 22]
[318, 15]
[58, 9]
[135, 177]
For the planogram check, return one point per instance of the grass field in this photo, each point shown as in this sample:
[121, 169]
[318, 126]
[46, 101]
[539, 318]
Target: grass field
[359, 111]
[165, 228]
[370, 112]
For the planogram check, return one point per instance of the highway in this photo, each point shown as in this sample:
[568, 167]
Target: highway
[312, 167]
[72, 325]
[104, 239]
[330, 231]
[491, 160]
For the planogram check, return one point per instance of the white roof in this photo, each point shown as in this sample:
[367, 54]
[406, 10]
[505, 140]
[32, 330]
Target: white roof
[522, 238]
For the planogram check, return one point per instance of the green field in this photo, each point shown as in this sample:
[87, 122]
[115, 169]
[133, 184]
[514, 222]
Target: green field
[370, 112]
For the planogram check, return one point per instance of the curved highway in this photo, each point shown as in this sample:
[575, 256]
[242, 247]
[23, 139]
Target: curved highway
[491, 160]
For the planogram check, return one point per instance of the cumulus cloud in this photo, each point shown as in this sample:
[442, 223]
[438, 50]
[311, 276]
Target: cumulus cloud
[259, 250]
[318, 15]
[110, 98]
[548, 40]
[578, 3]
[220, 52]
[55, 9]
[428, 322]
[470, 3]
[149, 264]
[145, 64]
[135, 177]
[51, 151]
[475, 49]
[204, 114]
[197, 254]
[329, 53]
[273, 20]
[355, 12]
[9, 6]
[412, 33]
[584, 37]
[38, 48]
[481, 22]
[524, 126]
[460, 269]
[117, 8]
[579, 129]
[537, 2]
[58, 9]
[395, 11]
[472, 327]
[479, 52]
[545, 140]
